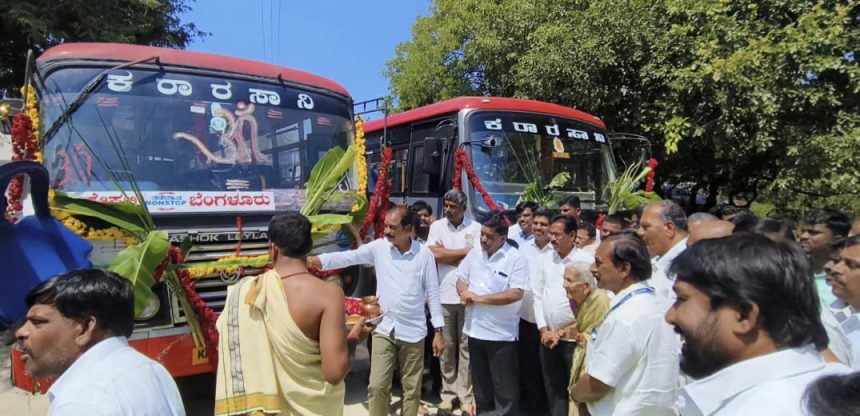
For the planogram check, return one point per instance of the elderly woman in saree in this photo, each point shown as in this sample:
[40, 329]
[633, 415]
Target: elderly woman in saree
[589, 305]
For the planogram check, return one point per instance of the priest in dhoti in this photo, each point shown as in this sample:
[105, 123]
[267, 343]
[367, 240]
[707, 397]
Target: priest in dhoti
[283, 340]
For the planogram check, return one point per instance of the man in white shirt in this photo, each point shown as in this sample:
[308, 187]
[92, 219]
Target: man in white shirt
[747, 312]
[405, 276]
[845, 280]
[552, 311]
[77, 328]
[821, 227]
[491, 284]
[532, 392]
[663, 226]
[450, 239]
[426, 218]
[631, 361]
[521, 232]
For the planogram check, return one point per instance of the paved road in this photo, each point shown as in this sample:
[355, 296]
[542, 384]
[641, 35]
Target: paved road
[198, 392]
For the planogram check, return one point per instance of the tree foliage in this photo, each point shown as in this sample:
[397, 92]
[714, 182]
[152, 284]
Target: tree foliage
[40, 24]
[748, 98]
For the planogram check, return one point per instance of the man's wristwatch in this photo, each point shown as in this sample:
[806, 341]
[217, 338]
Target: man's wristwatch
[438, 330]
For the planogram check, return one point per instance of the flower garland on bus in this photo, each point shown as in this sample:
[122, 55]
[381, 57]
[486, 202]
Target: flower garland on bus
[25, 146]
[205, 314]
[649, 182]
[378, 207]
[461, 162]
[360, 161]
[85, 231]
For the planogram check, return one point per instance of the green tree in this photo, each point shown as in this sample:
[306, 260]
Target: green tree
[40, 24]
[748, 98]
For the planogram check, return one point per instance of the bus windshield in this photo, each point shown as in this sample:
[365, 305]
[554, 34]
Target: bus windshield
[190, 141]
[510, 150]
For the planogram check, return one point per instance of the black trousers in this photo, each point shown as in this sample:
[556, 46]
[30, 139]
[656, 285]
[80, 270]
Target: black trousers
[532, 393]
[556, 364]
[495, 376]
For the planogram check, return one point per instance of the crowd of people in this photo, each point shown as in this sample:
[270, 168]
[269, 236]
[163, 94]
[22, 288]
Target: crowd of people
[660, 313]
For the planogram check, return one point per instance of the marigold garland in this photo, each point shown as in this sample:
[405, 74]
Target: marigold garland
[360, 161]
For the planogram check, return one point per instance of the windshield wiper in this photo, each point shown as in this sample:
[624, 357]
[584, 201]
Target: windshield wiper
[85, 94]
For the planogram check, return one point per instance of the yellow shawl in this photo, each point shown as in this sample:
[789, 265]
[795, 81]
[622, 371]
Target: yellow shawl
[266, 365]
[588, 317]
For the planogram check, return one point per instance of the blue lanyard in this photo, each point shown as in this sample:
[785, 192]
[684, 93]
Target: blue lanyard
[639, 291]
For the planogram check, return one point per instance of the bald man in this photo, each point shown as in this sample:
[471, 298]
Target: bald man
[709, 229]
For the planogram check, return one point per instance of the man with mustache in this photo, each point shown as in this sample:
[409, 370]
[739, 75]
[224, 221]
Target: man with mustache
[521, 232]
[552, 311]
[491, 281]
[77, 328]
[450, 239]
[631, 361]
[845, 279]
[821, 227]
[532, 394]
[747, 311]
[405, 275]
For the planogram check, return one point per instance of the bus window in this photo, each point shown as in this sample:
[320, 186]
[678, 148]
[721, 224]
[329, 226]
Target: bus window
[398, 171]
[420, 180]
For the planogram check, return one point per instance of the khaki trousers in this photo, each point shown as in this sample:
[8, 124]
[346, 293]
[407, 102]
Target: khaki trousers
[387, 352]
[456, 379]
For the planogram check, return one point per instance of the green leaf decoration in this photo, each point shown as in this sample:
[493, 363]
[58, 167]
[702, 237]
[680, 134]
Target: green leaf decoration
[138, 263]
[558, 181]
[321, 169]
[125, 215]
[321, 220]
[325, 176]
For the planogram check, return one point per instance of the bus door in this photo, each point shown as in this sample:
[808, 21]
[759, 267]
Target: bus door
[430, 150]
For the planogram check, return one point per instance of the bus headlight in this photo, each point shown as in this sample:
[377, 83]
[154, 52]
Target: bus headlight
[153, 304]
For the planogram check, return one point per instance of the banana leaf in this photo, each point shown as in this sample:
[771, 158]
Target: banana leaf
[325, 176]
[321, 220]
[138, 263]
[125, 215]
[558, 181]
[325, 165]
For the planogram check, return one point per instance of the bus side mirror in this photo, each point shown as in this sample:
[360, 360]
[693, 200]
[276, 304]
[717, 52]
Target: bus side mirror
[432, 156]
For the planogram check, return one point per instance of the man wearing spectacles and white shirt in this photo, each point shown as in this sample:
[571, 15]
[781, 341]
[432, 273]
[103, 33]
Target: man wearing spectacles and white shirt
[631, 359]
[406, 275]
[491, 281]
[552, 311]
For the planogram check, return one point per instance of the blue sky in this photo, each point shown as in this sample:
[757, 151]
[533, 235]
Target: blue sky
[348, 41]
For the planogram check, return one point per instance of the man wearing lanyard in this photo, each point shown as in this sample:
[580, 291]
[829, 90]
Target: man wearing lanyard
[491, 281]
[406, 275]
[632, 359]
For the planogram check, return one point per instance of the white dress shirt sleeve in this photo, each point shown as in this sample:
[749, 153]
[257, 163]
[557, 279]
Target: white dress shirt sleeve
[537, 294]
[362, 255]
[464, 269]
[433, 234]
[614, 356]
[431, 291]
[520, 274]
